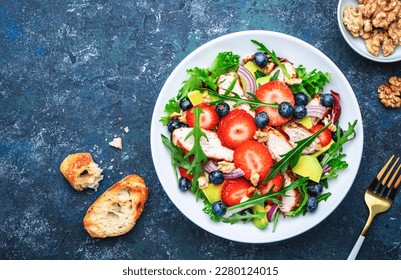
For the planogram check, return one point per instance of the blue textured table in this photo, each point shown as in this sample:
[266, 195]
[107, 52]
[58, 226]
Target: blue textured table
[75, 73]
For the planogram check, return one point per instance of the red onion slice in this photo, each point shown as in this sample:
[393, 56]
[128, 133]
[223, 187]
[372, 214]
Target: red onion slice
[210, 166]
[234, 174]
[272, 212]
[336, 111]
[315, 111]
[250, 83]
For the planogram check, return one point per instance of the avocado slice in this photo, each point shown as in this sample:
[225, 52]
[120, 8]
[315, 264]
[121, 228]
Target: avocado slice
[306, 122]
[323, 150]
[263, 80]
[308, 166]
[260, 222]
[213, 192]
[252, 67]
[196, 97]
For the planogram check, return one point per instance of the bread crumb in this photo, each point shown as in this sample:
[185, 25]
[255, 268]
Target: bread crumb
[117, 143]
[126, 129]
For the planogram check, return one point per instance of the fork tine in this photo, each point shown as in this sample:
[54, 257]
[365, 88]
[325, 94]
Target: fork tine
[383, 170]
[393, 188]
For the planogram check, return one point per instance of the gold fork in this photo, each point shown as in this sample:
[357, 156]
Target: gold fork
[379, 197]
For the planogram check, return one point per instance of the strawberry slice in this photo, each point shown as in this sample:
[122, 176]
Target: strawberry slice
[275, 92]
[208, 119]
[235, 128]
[234, 190]
[275, 183]
[324, 136]
[253, 156]
[184, 173]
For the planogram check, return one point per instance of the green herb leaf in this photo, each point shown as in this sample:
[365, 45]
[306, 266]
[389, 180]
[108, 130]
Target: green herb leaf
[205, 76]
[273, 57]
[196, 166]
[312, 82]
[224, 62]
[170, 108]
[291, 158]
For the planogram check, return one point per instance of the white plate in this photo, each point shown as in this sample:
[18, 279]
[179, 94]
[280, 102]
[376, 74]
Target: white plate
[298, 52]
[358, 44]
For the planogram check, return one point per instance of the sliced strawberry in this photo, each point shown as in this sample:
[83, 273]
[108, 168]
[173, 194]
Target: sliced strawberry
[324, 136]
[208, 119]
[234, 190]
[184, 173]
[275, 92]
[235, 128]
[253, 156]
[275, 183]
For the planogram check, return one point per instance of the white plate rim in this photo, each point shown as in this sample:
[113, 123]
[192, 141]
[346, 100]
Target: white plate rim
[220, 229]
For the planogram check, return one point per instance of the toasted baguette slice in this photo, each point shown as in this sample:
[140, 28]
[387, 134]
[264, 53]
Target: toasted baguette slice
[115, 212]
[81, 171]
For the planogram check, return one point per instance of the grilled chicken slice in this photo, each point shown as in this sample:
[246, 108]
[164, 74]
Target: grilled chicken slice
[297, 132]
[291, 71]
[276, 143]
[224, 82]
[291, 201]
[211, 146]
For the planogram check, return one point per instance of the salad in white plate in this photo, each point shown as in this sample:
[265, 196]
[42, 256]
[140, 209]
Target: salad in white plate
[256, 138]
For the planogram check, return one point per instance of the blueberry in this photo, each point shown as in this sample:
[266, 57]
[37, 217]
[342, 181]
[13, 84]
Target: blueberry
[311, 204]
[216, 177]
[219, 208]
[300, 111]
[301, 99]
[334, 134]
[262, 119]
[315, 189]
[260, 59]
[222, 109]
[285, 109]
[320, 157]
[327, 100]
[185, 104]
[174, 124]
[184, 184]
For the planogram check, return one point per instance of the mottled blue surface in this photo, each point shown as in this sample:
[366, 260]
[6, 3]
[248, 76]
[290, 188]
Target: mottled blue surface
[74, 73]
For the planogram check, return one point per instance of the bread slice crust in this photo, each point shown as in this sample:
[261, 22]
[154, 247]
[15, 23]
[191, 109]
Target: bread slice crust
[116, 211]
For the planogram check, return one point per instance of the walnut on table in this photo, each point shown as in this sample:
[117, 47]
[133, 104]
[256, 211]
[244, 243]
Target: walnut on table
[390, 93]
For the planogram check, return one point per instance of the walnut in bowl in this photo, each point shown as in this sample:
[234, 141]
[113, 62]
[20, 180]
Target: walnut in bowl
[372, 28]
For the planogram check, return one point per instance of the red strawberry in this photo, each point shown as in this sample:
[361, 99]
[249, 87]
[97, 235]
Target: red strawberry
[208, 119]
[184, 173]
[276, 181]
[234, 190]
[235, 128]
[324, 136]
[275, 92]
[252, 155]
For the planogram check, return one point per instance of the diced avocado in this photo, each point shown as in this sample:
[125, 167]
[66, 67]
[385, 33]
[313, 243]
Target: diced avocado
[308, 166]
[306, 122]
[196, 97]
[213, 192]
[252, 67]
[260, 222]
[324, 149]
[263, 80]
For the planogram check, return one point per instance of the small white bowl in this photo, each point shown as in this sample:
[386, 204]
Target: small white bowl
[358, 43]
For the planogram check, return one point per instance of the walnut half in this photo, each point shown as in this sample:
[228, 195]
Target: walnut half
[390, 93]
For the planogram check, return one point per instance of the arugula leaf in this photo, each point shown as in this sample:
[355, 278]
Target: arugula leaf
[312, 82]
[301, 208]
[177, 157]
[196, 166]
[337, 164]
[291, 158]
[337, 147]
[254, 102]
[273, 57]
[258, 199]
[275, 76]
[323, 196]
[171, 107]
[224, 62]
[259, 74]
[246, 217]
[275, 220]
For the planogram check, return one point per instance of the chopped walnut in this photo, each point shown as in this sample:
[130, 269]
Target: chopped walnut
[331, 127]
[255, 178]
[181, 116]
[225, 166]
[203, 182]
[353, 20]
[261, 136]
[390, 93]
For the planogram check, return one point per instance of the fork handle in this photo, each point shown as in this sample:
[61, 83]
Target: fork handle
[356, 248]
